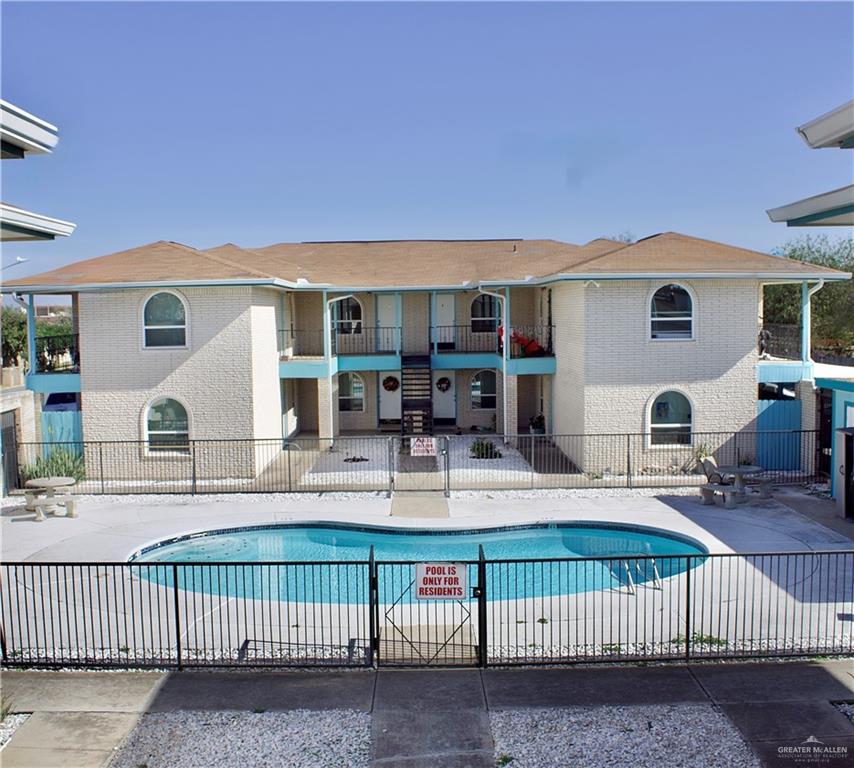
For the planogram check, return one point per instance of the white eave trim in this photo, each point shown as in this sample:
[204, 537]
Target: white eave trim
[26, 131]
[831, 129]
[811, 206]
[36, 223]
[302, 286]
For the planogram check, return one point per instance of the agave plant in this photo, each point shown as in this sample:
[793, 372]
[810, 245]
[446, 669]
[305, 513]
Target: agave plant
[61, 462]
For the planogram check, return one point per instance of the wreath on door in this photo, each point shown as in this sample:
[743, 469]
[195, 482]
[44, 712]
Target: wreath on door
[443, 384]
[390, 384]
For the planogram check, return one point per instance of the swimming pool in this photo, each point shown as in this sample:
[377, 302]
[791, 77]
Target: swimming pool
[328, 562]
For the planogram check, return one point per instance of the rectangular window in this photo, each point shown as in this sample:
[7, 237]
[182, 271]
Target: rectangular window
[165, 337]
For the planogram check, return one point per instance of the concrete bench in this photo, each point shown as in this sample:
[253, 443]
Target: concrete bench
[764, 485]
[39, 503]
[728, 492]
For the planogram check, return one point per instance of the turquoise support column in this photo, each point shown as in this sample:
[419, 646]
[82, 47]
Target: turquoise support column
[434, 344]
[327, 335]
[31, 334]
[398, 309]
[507, 328]
[806, 322]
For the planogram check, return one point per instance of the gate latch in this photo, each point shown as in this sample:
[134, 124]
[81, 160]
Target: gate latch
[476, 592]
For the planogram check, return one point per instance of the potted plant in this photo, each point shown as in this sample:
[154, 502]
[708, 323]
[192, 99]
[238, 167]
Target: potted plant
[537, 424]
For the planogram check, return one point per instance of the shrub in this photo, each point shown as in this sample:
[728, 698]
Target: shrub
[61, 462]
[484, 449]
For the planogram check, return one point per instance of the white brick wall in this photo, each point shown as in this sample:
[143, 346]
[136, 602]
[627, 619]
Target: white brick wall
[625, 370]
[214, 377]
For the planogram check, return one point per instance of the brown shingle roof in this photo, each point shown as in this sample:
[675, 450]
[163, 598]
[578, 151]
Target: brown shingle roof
[413, 263]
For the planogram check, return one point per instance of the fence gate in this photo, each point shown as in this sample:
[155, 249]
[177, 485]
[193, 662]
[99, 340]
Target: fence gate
[9, 438]
[420, 463]
[426, 631]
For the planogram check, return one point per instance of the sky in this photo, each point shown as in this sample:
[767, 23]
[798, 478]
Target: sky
[207, 123]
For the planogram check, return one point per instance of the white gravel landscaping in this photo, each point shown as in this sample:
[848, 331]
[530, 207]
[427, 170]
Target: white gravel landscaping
[512, 466]
[846, 708]
[648, 736]
[576, 493]
[296, 739]
[9, 725]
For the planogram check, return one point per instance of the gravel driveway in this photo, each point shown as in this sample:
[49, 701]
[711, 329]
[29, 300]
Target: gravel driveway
[676, 736]
[295, 739]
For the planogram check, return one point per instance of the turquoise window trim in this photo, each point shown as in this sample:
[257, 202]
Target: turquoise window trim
[49, 383]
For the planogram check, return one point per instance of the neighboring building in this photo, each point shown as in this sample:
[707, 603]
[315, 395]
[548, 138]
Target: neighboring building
[833, 130]
[656, 337]
[836, 208]
[22, 135]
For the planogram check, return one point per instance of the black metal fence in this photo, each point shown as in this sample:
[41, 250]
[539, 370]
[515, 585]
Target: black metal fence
[359, 613]
[381, 463]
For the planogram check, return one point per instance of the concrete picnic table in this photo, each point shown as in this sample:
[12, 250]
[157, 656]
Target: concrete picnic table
[48, 486]
[738, 472]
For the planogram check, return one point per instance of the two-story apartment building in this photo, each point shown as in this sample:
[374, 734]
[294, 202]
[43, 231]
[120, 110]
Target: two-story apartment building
[416, 337]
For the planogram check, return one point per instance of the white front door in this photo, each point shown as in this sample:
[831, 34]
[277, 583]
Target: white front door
[444, 321]
[389, 400]
[444, 403]
[386, 322]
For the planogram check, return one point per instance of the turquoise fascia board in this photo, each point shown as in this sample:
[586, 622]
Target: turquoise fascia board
[48, 383]
[768, 372]
[844, 385]
[520, 366]
[450, 361]
[369, 363]
[820, 216]
[307, 369]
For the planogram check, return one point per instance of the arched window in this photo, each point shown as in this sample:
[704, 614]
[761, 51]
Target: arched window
[351, 392]
[670, 420]
[485, 314]
[165, 321]
[349, 316]
[167, 426]
[483, 390]
[672, 313]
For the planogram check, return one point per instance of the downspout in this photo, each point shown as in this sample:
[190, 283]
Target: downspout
[327, 353]
[806, 317]
[505, 348]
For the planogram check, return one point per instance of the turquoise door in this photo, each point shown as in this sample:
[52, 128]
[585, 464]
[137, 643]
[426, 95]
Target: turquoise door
[779, 451]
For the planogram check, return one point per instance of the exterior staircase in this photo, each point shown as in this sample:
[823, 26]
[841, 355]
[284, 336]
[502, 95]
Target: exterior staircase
[416, 395]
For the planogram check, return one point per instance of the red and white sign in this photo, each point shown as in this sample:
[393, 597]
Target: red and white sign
[422, 446]
[440, 581]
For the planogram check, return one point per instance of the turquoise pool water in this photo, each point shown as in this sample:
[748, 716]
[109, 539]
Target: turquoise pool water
[327, 563]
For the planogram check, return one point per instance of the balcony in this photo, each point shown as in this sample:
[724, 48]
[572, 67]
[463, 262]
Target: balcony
[352, 340]
[525, 340]
[780, 341]
[57, 353]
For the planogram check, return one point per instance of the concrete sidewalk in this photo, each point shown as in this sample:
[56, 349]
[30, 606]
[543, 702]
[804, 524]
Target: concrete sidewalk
[426, 717]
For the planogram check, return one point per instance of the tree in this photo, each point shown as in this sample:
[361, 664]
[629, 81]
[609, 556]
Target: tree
[14, 348]
[832, 306]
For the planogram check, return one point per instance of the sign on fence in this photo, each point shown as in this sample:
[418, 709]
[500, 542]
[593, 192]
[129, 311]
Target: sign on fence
[422, 446]
[440, 581]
